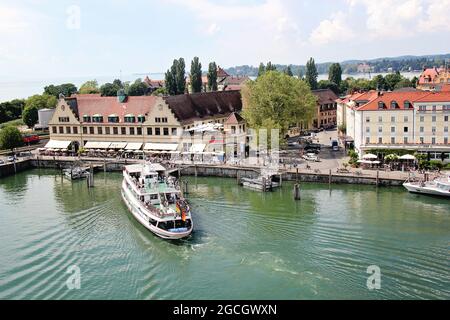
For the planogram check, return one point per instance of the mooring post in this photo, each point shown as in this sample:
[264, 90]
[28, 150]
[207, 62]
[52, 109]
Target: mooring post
[185, 182]
[104, 165]
[264, 184]
[179, 173]
[281, 179]
[296, 175]
[296, 192]
[195, 170]
[378, 178]
[238, 176]
[329, 178]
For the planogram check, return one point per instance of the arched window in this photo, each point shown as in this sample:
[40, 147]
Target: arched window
[407, 104]
[394, 104]
[380, 105]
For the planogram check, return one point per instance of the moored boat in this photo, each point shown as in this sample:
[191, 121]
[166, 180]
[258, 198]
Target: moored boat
[156, 201]
[76, 173]
[436, 187]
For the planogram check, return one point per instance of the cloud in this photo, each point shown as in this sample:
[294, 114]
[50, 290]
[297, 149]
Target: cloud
[332, 30]
[213, 29]
[437, 17]
[262, 29]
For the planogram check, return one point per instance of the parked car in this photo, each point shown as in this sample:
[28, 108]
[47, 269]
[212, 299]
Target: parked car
[11, 159]
[311, 157]
[335, 145]
[25, 154]
[2, 162]
[31, 138]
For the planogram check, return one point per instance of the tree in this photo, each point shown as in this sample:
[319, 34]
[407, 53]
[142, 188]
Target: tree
[404, 83]
[160, 92]
[171, 86]
[311, 74]
[10, 138]
[176, 77]
[180, 76]
[212, 77]
[335, 74]
[89, 87]
[275, 100]
[111, 89]
[288, 71]
[196, 75]
[43, 101]
[261, 69]
[270, 67]
[327, 84]
[11, 110]
[392, 79]
[379, 83]
[30, 115]
[67, 89]
[138, 88]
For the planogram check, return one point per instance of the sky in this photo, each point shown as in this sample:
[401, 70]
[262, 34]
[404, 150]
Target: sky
[47, 38]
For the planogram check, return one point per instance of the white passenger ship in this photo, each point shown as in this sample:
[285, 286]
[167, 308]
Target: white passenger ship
[155, 200]
[437, 187]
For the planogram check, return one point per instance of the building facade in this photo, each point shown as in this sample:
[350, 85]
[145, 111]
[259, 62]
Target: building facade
[326, 115]
[433, 78]
[83, 119]
[417, 121]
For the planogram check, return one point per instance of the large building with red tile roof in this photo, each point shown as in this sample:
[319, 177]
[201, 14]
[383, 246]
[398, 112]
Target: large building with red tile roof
[432, 78]
[83, 119]
[417, 121]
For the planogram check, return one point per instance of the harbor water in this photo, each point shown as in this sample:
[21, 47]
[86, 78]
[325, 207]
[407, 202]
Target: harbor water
[245, 245]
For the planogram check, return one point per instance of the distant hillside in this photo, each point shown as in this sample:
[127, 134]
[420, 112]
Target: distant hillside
[388, 64]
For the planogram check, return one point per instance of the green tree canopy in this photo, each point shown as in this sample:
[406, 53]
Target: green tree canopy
[276, 100]
[311, 74]
[89, 87]
[11, 110]
[10, 138]
[196, 75]
[212, 77]
[138, 88]
[176, 77]
[270, 67]
[261, 69]
[335, 74]
[41, 101]
[67, 89]
[30, 115]
[392, 79]
[288, 71]
[327, 84]
[111, 89]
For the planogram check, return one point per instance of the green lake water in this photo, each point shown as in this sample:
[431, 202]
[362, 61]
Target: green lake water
[246, 244]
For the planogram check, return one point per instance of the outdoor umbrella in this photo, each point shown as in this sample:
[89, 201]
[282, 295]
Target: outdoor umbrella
[407, 157]
[369, 156]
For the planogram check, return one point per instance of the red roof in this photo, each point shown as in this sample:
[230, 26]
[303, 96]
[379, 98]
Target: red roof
[442, 96]
[221, 73]
[399, 97]
[234, 118]
[325, 96]
[429, 74]
[105, 106]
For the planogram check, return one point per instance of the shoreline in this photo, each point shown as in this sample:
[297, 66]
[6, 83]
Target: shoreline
[207, 170]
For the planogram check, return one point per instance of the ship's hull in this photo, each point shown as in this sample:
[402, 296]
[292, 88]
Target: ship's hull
[136, 210]
[426, 190]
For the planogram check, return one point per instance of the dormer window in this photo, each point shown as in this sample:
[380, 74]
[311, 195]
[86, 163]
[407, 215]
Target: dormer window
[113, 118]
[394, 104]
[407, 104]
[97, 118]
[141, 118]
[130, 118]
[86, 118]
[380, 105]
